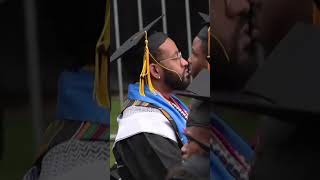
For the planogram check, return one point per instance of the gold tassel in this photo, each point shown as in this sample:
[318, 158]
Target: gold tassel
[316, 15]
[101, 81]
[145, 76]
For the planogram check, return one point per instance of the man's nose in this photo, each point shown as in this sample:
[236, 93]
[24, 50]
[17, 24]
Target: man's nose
[184, 62]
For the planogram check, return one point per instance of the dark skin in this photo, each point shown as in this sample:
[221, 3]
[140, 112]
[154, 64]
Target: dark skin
[201, 134]
[230, 24]
[233, 43]
[168, 58]
[198, 58]
[276, 17]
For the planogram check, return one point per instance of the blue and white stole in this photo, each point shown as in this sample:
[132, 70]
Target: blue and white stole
[157, 100]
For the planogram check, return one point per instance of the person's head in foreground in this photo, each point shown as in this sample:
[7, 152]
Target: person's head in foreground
[198, 58]
[197, 131]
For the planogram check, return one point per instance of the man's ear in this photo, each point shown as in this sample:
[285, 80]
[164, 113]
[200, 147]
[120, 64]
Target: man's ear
[155, 71]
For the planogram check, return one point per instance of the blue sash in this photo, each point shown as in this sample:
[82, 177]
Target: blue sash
[232, 137]
[159, 101]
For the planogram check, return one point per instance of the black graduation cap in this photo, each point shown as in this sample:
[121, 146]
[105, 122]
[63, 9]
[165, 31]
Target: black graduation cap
[203, 33]
[133, 40]
[205, 17]
[142, 49]
[199, 88]
[199, 114]
[286, 84]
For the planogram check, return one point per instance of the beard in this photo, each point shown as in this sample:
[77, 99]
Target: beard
[173, 81]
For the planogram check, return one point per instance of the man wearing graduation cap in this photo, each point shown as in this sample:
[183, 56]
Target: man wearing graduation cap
[76, 144]
[150, 132]
[198, 58]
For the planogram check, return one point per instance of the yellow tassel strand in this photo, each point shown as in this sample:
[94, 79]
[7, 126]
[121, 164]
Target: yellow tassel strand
[145, 76]
[101, 85]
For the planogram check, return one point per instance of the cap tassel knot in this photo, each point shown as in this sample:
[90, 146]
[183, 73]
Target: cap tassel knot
[145, 73]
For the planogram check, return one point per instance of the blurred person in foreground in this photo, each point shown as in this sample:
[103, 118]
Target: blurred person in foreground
[76, 144]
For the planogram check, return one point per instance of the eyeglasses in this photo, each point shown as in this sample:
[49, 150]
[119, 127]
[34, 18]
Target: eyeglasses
[177, 56]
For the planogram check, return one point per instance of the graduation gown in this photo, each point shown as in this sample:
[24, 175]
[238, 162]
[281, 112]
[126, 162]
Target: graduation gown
[146, 145]
[146, 156]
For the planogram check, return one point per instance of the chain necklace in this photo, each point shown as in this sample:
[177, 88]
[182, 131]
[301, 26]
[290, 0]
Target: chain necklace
[177, 107]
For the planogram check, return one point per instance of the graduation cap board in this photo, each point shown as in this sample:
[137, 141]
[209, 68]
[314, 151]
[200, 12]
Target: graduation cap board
[287, 83]
[133, 41]
[205, 17]
[199, 87]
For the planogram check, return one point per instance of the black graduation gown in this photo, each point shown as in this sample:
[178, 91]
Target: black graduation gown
[146, 156]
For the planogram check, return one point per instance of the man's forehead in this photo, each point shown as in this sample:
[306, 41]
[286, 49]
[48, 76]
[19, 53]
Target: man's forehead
[169, 46]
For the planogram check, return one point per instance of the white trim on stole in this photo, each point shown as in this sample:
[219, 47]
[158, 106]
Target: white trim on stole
[145, 122]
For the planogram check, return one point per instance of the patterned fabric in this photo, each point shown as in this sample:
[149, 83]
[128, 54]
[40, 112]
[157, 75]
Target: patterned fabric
[230, 155]
[235, 168]
[232, 137]
[32, 174]
[78, 133]
[138, 109]
[157, 100]
[60, 131]
[72, 154]
[150, 108]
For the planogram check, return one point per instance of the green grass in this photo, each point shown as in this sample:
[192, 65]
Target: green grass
[18, 151]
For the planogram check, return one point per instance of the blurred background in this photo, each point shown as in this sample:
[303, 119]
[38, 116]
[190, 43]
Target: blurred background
[38, 40]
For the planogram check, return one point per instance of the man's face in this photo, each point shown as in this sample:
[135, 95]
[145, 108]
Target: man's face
[198, 57]
[229, 22]
[193, 147]
[176, 73]
[276, 17]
